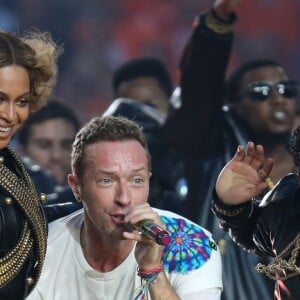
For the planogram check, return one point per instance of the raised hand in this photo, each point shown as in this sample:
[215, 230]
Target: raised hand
[224, 8]
[244, 175]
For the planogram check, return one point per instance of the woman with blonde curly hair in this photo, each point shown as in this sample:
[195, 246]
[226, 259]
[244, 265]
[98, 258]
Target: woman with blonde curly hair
[28, 70]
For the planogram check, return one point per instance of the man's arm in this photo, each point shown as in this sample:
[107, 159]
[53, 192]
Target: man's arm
[202, 75]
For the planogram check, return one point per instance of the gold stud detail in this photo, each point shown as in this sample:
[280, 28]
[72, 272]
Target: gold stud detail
[222, 246]
[8, 201]
[29, 281]
[43, 197]
[1, 159]
[24, 193]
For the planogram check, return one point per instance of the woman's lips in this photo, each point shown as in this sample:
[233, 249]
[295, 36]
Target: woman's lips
[5, 131]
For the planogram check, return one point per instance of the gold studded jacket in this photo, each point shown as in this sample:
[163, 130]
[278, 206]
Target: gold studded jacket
[23, 229]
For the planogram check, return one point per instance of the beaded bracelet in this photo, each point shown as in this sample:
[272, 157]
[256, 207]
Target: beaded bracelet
[147, 277]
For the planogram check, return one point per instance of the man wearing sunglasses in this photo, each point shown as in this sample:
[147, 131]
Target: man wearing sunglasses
[261, 99]
[263, 90]
[213, 117]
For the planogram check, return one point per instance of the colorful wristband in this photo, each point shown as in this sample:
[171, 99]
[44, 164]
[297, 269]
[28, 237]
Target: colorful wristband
[147, 277]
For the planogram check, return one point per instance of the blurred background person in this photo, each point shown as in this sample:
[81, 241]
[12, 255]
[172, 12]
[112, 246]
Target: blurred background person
[44, 145]
[47, 136]
[146, 80]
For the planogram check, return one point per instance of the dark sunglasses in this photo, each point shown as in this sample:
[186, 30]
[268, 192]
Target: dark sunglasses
[261, 91]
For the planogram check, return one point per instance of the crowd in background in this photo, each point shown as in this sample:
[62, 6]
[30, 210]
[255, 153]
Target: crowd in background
[99, 35]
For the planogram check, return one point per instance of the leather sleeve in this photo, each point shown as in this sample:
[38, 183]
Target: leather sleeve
[195, 127]
[59, 210]
[242, 226]
[272, 224]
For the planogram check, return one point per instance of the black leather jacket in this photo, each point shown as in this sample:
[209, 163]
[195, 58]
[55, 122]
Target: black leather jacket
[20, 212]
[14, 214]
[267, 228]
[208, 136]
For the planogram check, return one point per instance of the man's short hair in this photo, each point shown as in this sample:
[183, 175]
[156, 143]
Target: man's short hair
[107, 128]
[143, 67]
[53, 110]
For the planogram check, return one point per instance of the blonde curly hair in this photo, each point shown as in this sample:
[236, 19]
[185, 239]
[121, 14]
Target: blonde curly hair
[38, 54]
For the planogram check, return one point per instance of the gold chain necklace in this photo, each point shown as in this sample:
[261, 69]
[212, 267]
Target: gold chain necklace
[281, 269]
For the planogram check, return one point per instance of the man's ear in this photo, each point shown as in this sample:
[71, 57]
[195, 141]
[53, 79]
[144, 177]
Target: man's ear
[75, 186]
